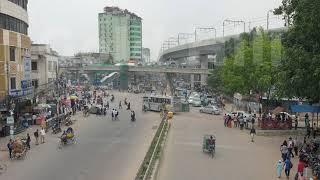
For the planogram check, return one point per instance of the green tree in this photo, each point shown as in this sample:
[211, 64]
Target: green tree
[300, 67]
[253, 66]
[215, 80]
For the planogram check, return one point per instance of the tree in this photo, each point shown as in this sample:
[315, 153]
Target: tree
[215, 80]
[253, 66]
[300, 67]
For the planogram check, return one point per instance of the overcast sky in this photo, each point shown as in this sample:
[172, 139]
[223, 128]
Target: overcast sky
[70, 26]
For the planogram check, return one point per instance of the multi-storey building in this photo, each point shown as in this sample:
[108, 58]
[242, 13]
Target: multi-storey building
[44, 66]
[146, 55]
[120, 34]
[15, 62]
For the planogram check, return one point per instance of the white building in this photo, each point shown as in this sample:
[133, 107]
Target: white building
[44, 65]
[120, 34]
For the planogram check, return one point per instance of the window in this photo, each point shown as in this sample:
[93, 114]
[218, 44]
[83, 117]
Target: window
[35, 83]
[13, 83]
[21, 3]
[13, 24]
[34, 66]
[12, 54]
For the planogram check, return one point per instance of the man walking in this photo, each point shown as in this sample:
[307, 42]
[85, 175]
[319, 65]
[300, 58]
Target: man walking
[252, 133]
[288, 165]
[28, 141]
[42, 134]
[112, 114]
[120, 105]
[36, 135]
[10, 148]
[290, 147]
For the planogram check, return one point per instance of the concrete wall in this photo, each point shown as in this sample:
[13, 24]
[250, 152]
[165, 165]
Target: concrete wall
[11, 9]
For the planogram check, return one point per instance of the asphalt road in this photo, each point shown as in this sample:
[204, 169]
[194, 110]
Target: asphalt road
[105, 149]
[236, 157]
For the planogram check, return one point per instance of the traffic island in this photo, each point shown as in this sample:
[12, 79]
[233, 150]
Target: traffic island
[150, 164]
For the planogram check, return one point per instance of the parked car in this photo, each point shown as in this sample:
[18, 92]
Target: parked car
[239, 113]
[195, 101]
[210, 110]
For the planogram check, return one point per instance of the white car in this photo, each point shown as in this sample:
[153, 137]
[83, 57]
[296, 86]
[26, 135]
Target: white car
[239, 113]
[210, 110]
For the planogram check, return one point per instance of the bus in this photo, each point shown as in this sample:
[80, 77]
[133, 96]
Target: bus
[158, 103]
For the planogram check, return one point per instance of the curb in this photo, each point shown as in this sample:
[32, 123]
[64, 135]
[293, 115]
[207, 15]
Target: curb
[156, 172]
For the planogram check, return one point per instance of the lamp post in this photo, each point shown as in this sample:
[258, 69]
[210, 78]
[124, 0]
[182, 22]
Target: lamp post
[268, 17]
[234, 22]
[207, 29]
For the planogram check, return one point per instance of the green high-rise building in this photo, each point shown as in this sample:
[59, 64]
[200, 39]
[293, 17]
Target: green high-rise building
[120, 34]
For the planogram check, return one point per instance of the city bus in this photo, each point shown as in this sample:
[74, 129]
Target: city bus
[158, 103]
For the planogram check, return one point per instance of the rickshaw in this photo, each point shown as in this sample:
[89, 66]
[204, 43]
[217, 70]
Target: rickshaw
[209, 145]
[67, 138]
[19, 148]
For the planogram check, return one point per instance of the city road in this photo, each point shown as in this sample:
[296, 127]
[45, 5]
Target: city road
[105, 149]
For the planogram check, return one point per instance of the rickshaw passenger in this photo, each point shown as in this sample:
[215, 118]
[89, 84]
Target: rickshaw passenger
[211, 143]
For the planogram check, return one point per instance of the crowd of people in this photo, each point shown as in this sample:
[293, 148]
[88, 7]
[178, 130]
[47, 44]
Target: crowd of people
[305, 151]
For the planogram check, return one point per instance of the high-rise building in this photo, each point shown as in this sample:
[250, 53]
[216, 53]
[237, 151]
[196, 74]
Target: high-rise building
[15, 62]
[120, 34]
[145, 55]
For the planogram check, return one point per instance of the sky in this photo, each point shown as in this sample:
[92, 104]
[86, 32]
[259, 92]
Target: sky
[71, 26]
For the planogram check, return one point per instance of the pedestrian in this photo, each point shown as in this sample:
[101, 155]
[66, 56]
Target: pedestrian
[36, 135]
[290, 147]
[104, 110]
[314, 130]
[42, 134]
[116, 115]
[253, 120]
[225, 118]
[252, 133]
[284, 150]
[301, 166]
[245, 120]
[295, 146]
[288, 165]
[308, 132]
[296, 122]
[128, 106]
[112, 114]
[107, 104]
[120, 105]
[28, 141]
[279, 168]
[10, 148]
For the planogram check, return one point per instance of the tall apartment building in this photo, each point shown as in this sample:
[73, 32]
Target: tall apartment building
[120, 34]
[15, 62]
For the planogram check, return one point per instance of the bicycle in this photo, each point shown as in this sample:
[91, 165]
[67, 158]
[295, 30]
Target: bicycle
[3, 167]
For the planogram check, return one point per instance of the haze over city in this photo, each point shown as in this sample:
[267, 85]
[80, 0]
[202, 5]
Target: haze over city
[72, 26]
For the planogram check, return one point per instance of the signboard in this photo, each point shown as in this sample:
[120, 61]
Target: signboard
[27, 68]
[10, 120]
[18, 93]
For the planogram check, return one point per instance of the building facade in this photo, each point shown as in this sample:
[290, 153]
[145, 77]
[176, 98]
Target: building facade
[120, 34]
[146, 55]
[15, 62]
[44, 66]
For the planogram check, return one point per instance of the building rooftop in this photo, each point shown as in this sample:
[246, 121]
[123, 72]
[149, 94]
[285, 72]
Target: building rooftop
[118, 11]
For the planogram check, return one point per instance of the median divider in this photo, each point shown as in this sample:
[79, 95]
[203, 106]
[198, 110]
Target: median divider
[150, 164]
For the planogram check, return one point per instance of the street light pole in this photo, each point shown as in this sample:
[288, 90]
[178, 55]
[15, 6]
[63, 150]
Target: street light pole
[184, 36]
[268, 16]
[234, 22]
[205, 29]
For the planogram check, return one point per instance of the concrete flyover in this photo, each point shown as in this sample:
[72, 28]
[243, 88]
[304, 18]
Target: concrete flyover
[157, 69]
[200, 48]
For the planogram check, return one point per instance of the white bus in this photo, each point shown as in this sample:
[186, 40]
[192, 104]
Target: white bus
[158, 103]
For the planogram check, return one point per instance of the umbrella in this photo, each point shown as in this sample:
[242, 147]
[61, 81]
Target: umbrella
[73, 97]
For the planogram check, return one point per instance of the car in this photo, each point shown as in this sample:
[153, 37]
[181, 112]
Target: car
[239, 113]
[195, 102]
[210, 110]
